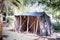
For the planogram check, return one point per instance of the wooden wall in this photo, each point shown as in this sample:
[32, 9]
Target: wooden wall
[36, 24]
[27, 21]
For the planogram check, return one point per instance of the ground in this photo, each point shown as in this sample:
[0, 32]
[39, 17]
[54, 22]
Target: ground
[10, 35]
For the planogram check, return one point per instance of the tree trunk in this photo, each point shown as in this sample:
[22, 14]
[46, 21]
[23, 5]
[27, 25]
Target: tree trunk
[1, 19]
[45, 26]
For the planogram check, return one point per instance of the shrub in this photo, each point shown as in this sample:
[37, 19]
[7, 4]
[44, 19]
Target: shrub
[9, 19]
[56, 26]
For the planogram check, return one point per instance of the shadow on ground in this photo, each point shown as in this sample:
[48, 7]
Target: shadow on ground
[45, 38]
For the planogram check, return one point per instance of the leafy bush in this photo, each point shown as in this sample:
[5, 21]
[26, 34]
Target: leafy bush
[9, 19]
[56, 26]
[11, 13]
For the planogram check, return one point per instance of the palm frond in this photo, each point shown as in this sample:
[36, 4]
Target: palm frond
[15, 4]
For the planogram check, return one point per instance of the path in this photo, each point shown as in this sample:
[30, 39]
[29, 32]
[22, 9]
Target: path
[9, 35]
[17, 36]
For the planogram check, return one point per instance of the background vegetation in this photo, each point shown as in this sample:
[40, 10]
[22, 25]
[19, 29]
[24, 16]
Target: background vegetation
[51, 7]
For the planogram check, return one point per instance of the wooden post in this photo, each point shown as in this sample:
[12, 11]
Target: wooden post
[37, 24]
[20, 24]
[34, 27]
[27, 23]
[23, 22]
[32, 24]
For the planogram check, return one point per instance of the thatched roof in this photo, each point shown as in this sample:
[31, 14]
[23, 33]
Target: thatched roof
[30, 14]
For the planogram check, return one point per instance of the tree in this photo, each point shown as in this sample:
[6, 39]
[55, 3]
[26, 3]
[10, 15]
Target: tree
[1, 12]
[1, 18]
[51, 4]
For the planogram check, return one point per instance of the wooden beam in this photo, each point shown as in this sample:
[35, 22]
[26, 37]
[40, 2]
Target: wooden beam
[20, 23]
[37, 24]
[34, 28]
[24, 22]
[27, 23]
[32, 24]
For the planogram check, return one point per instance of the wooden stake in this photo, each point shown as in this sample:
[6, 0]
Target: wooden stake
[32, 24]
[20, 24]
[34, 27]
[37, 24]
[27, 22]
[24, 22]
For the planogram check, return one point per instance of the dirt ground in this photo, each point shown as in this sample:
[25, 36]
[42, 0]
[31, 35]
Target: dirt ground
[10, 35]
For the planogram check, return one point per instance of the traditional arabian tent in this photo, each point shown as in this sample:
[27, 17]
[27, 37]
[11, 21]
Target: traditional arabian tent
[35, 22]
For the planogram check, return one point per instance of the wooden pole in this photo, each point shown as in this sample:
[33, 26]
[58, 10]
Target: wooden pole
[37, 24]
[20, 24]
[32, 24]
[34, 27]
[24, 22]
[27, 23]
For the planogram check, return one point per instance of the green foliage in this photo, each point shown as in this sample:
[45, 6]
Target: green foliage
[18, 1]
[9, 19]
[54, 4]
[11, 13]
[56, 26]
[15, 4]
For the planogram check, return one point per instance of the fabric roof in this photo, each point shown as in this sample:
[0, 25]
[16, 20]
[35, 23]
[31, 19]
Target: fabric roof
[30, 14]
